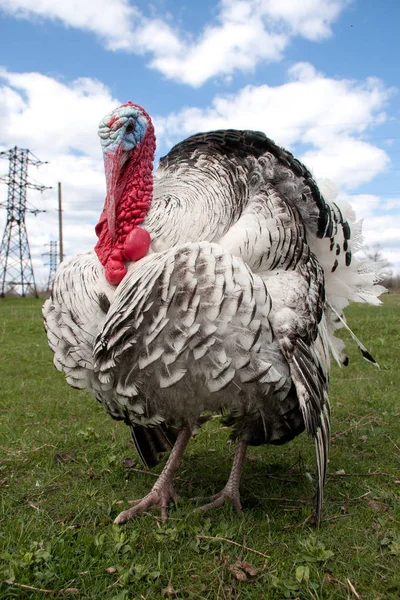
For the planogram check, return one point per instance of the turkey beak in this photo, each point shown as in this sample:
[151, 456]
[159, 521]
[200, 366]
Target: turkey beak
[112, 166]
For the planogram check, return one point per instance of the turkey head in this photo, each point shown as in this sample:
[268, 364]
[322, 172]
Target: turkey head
[128, 143]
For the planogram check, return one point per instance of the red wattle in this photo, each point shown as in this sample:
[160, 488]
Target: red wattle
[136, 244]
[115, 271]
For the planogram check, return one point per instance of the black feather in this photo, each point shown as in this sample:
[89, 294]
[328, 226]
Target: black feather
[150, 442]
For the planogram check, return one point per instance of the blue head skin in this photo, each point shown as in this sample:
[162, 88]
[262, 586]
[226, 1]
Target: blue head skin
[125, 127]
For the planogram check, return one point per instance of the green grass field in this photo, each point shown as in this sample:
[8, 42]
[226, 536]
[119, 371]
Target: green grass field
[63, 478]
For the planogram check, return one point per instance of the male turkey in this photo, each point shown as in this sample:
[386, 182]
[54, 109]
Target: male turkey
[215, 286]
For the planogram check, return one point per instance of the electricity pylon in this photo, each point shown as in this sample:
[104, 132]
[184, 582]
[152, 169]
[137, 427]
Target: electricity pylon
[16, 271]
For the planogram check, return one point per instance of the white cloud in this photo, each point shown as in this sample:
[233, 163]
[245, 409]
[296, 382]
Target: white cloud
[112, 20]
[41, 112]
[308, 18]
[221, 49]
[326, 114]
[348, 161]
[243, 33]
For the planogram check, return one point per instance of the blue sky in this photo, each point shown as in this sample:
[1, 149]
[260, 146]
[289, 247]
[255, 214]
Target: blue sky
[318, 76]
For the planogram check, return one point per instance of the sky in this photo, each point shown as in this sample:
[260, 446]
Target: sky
[319, 77]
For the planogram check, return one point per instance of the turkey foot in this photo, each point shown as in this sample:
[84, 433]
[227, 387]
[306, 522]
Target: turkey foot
[159, 497]
[163, 490]
[229, 492]
[231, 489]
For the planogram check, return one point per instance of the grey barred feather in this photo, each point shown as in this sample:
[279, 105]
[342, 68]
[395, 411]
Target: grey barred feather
[222, 349]
[234, 309]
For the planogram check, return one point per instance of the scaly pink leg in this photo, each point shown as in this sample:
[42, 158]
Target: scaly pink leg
[162, 491]
[231, 489]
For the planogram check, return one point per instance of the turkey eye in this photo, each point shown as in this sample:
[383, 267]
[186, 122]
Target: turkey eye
[129, 128]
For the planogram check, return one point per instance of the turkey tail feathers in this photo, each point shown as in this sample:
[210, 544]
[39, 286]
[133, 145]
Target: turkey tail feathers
[322, 444]
[360, 345]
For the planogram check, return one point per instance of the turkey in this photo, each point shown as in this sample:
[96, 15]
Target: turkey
[216, 286]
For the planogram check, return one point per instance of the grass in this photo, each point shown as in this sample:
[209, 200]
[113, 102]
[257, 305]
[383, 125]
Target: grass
[63, 479]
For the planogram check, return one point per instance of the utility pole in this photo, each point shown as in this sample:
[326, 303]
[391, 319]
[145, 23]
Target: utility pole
[60, 223]
[16, 271]
[53, 262]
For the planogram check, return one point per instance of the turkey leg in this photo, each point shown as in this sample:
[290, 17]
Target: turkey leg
[162, 491]
[231, 489]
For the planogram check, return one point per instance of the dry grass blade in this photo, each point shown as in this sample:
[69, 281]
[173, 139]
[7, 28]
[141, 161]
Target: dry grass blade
[222, 539]
[353, 589]
[31, 588]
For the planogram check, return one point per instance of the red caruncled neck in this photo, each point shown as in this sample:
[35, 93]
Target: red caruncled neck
[134, 193]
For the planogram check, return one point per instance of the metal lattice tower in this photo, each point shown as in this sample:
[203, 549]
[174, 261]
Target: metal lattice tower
[53, 263]
[16, 271]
